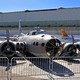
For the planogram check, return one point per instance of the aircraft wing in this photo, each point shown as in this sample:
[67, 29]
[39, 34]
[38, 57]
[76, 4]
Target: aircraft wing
[2, 38]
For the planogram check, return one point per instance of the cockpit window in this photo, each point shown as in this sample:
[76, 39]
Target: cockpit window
[34, 33]
[41, 32]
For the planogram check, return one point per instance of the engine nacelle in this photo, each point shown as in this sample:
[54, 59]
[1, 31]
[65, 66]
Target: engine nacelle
[52, 47]
[69, 49]
[77, 44]
[21, 47]
[7, 49]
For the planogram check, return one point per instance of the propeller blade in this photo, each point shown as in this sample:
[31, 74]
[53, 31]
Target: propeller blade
[7, 35]
[72, 39]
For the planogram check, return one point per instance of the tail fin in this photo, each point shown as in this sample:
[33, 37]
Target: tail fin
[63, 33]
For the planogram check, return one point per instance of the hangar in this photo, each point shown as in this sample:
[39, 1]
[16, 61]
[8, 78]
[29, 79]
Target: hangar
[46, 17]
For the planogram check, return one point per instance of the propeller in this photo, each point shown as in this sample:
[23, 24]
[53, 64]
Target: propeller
[52, 47]
[73, 39]
[70, 49]
[74, 47]
[7, 47]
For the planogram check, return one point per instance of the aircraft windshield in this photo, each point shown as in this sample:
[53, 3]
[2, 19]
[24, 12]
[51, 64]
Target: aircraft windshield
[36, 32]
[41, 32]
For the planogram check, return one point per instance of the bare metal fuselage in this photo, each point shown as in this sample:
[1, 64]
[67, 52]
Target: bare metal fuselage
[36, 43]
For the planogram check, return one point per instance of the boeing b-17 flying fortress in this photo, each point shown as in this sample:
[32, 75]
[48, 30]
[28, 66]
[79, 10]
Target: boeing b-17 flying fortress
[39, 43]
[39, 40]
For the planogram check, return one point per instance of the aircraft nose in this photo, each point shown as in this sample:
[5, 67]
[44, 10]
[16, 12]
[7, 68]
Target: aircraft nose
[52, 47]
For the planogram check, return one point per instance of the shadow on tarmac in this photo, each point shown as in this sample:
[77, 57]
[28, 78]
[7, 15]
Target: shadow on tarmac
[57, 69]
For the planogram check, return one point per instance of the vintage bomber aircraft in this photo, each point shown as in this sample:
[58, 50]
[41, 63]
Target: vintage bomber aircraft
[38, 43]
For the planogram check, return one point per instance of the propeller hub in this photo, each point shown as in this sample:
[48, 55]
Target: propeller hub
[8, 49]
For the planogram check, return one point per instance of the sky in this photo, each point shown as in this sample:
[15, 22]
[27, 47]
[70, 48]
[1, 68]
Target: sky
[22, 5]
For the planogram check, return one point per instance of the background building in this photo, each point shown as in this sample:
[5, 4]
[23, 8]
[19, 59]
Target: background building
[48, 17]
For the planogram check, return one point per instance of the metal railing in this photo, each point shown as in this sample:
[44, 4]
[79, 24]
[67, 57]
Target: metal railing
[4, 62]
[66, 68]
[55, 68]
[33, 66]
